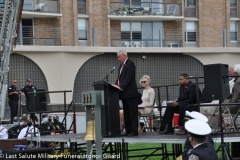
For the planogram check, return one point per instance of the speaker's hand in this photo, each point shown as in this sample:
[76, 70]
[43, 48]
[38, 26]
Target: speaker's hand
[174, 104]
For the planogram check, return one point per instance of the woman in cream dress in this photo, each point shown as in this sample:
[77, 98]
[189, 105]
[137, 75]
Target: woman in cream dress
[148, 97]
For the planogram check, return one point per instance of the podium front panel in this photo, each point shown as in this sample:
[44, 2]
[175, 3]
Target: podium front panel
[109, 116]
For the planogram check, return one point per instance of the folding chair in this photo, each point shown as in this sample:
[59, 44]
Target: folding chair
[147, 119]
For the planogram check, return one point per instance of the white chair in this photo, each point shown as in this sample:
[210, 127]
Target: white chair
[137, 44]
[171, 9]
[40, 6]
[127, 44]
[148, 119]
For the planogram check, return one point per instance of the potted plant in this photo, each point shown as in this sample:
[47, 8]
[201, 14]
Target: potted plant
[145, 12]
[124, 9]
[120, 10]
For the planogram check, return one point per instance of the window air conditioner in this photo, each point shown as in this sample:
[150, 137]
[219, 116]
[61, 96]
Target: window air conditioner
[173, 45]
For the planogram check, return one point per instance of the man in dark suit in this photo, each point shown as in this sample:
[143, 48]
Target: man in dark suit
[187, 96]
[129, 94]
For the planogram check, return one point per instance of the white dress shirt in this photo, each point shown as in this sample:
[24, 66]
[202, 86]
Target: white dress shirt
[30, 130]
[3, 132]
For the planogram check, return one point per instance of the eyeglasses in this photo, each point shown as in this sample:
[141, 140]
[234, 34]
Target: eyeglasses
[143, 81]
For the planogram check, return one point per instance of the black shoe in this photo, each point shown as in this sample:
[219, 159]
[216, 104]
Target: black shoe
[167, 130]
[132, 134]
[123, 133]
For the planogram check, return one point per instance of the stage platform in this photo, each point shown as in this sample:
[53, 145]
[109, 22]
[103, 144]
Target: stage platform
[146, 137]
[119, 145]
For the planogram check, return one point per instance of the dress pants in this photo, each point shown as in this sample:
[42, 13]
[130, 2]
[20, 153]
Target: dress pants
[30, 109]
[130, 109]
[14, 108]
[168, 115]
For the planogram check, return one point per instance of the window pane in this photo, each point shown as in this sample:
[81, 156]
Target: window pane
[191, 2]
[136, 26]
[28, 5]
[82, 29]
[190, 26]
[82, 24]
[191, 36]
[125, 26]
[233, 26]
[233, 3]
[157, 26]
[136, 35]
[147, 30]
[125, 35]
[233, 36]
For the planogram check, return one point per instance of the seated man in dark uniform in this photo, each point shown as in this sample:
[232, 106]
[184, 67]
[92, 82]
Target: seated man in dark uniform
[58, 125]
[46, 128]
[197, 131]
[187, 96]
[14, 131]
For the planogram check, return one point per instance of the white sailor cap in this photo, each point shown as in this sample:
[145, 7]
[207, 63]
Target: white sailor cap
[196, 115]
[197, 127]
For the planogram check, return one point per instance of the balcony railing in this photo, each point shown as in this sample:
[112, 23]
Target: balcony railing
[145, 43]
[145, 8]
[147, 37]
[45, 6]
[82, 8]
[39, 36]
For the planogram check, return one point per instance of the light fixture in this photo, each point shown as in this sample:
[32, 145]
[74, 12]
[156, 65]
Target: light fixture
[144, 56]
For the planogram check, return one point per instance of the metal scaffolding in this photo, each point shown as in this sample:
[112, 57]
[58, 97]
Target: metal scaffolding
[10, 14]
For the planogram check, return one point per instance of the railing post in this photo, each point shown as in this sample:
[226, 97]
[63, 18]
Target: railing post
[160, 38]
[20, 35]
[224, 38]
[93, 36]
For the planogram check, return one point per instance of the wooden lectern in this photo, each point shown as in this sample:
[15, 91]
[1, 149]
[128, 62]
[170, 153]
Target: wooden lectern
[109, 116]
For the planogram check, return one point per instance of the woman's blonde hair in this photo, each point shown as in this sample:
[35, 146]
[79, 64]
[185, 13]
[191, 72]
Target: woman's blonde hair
[147, 77]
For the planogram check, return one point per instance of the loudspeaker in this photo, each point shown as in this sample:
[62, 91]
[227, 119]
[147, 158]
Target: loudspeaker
[39, 101]
[216, 81]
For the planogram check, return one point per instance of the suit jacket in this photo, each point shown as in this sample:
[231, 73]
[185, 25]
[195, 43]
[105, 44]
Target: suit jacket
[189, 96]
[202, 152]
[235, 96]
[210, 145]
[127, 80]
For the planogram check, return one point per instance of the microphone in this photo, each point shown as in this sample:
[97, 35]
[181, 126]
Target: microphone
[113, 69]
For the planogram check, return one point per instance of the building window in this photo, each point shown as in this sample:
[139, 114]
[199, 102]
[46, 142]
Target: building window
[82, 29]
[190, 3]
[131, 30]
[82, 8]
[233, 31]
[147, 34]
[190, 32]
[28, 5]
[233, 8]
[233, 3]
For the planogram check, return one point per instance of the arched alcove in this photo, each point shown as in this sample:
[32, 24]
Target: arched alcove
[162, 68]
